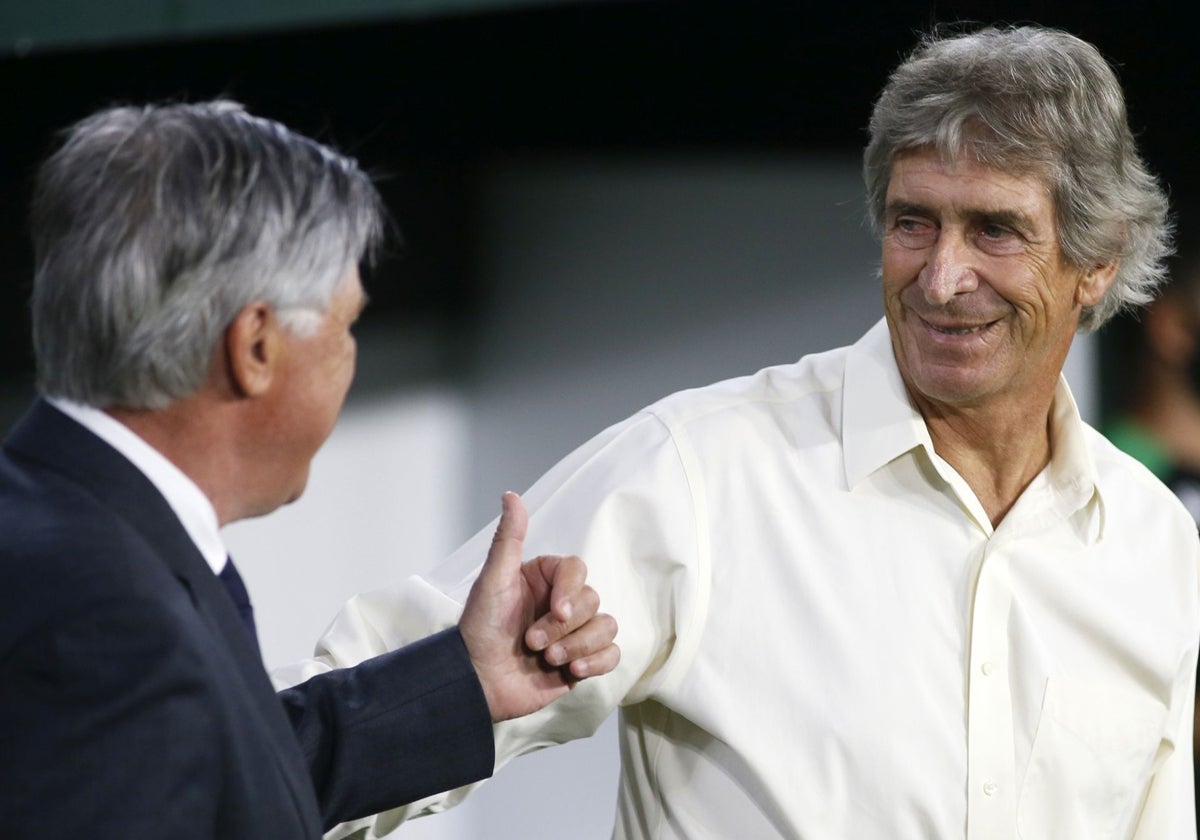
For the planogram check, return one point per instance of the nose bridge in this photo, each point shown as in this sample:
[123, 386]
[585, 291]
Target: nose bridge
[948, 270]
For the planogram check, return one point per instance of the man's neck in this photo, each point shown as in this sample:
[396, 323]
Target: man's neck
[997, 452]
[193, 446]
[191, 504]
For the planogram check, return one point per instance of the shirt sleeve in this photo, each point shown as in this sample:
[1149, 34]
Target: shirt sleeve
[1169, 810]
[626, 503]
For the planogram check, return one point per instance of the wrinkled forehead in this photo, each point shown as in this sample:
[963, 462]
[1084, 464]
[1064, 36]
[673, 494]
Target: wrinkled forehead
[979, 154]
[968, 160]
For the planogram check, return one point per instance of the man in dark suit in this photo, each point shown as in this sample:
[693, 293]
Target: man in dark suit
[196, 281]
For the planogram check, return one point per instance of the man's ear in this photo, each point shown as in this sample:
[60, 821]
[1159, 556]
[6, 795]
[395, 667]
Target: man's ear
[252, 349]
[1095, 283]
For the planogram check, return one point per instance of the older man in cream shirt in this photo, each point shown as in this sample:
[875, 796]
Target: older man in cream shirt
[898, 590]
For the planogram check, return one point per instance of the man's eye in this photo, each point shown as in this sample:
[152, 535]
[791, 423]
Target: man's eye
[913, 232]
[999, 240]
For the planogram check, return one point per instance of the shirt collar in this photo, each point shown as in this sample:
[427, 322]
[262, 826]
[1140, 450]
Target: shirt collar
[880, 423]
[195, 511]
[1072, 471]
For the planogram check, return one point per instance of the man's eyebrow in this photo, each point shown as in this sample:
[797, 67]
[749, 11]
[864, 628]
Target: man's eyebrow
[1004, 216]
[900, 207]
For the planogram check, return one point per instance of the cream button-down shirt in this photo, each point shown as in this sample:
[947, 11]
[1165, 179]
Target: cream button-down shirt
[823, 637]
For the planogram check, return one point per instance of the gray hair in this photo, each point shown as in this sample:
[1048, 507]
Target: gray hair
[1038, 102]
[154, 226]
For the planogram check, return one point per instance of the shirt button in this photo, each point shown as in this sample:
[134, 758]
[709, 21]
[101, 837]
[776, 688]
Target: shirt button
[990, 789]
[987, 669]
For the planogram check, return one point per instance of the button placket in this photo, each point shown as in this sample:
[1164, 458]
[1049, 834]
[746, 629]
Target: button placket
[991, 806]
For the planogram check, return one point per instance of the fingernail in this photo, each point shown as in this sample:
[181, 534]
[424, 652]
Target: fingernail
[580, 669]
[556, 655]
[566, 609]
[537, 639]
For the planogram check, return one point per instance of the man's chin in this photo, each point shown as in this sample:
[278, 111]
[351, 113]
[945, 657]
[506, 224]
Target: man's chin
[296, 494]
[272, 505]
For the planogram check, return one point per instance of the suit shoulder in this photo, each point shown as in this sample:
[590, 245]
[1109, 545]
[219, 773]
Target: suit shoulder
[62, 552]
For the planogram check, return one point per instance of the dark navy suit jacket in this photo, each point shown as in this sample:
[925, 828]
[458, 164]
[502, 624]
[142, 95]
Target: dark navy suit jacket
[133, 703]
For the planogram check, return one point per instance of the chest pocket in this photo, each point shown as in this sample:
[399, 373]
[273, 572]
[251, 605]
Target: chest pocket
[1093, 754]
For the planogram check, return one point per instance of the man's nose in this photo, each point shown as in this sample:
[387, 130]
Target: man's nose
[950, 269]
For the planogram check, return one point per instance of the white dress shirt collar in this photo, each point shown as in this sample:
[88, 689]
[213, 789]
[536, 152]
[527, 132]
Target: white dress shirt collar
[881, 423]
[195, 511]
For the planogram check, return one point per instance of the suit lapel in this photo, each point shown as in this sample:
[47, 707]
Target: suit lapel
[49, 437]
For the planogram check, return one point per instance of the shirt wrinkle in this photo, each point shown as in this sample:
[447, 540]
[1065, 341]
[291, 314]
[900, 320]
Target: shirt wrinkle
[675, 660]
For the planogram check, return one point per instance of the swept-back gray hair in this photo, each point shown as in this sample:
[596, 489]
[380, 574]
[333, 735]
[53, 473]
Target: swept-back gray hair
[1040, 102]
[153, 226]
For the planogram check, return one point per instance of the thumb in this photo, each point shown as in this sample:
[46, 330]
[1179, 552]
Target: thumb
[505, 555]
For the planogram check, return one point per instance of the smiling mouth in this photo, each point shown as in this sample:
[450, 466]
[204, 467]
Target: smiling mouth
[959, 330]
[956, 331]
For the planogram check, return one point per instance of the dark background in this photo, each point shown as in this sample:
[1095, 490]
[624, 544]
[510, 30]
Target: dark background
[424, 102]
